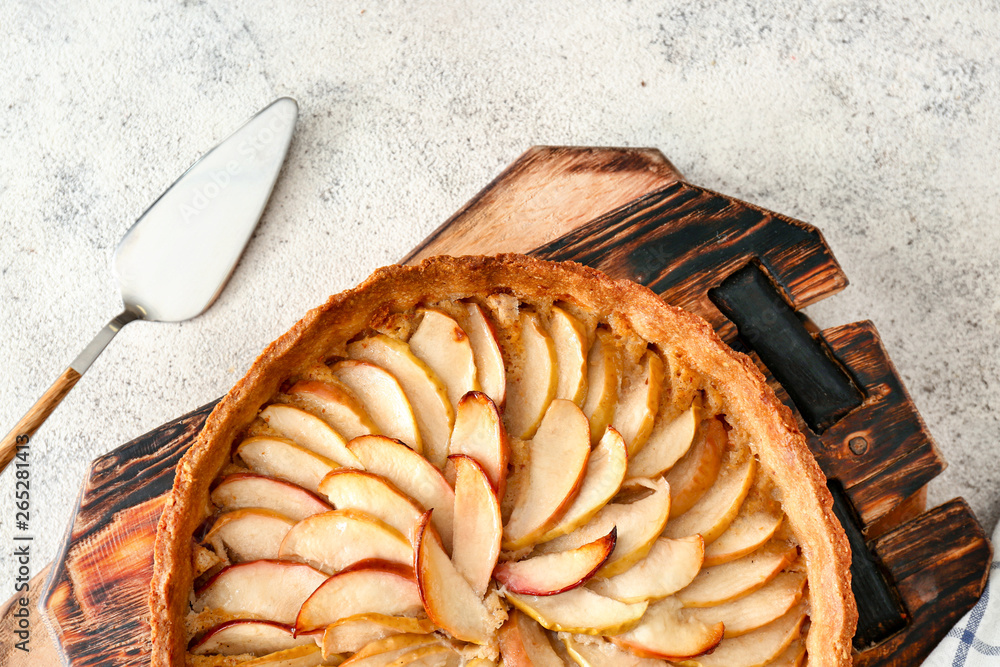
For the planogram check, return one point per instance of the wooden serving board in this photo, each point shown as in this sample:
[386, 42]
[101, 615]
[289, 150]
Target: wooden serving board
[629, 213]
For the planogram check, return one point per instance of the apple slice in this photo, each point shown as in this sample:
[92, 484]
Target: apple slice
[387, 589]
[605, 471]
[434, 655]
[374, 495]
[758, 608]
[309, 431]
[759, 647]
[334, 403]
[718, 507]
[424, 390]
[793, 656]
[570, 339]
[757, 521]
[282, 458]
[666, 633]
[639, 524]
[246, 490]
[697, 470]
[722, 583]
[532, 386]
[523, 643]
[383, 399]
[556, 467]
[486, 350]
[603, 377]
[478, 527]
[413, 475]
[386, 652]
[248, 636]
[299, 656]
[479, 433]
[668, 567]
[587, 651]
[639, 401]
[443, 345]
[550, 574]
[351, 634]
[669, 441]
[334, 541]
[249, 534]
[448, 598]
[579, 610]
[265, 589]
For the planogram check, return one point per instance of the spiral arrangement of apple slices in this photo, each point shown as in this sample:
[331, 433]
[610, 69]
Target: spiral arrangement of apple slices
[490, 481]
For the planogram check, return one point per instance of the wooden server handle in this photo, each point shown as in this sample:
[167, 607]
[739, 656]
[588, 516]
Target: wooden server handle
[37, 415]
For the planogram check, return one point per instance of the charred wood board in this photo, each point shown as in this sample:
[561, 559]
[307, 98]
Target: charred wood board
[628, 213]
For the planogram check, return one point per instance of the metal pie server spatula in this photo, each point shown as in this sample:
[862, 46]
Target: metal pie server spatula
[175, 260]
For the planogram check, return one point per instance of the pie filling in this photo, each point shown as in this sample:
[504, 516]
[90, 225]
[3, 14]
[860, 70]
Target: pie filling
[485, 480]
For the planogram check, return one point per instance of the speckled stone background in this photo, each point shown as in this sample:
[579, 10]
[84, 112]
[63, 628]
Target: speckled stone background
[877, 121]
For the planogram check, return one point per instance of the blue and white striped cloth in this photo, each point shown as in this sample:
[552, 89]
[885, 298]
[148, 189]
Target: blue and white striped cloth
[975, 640]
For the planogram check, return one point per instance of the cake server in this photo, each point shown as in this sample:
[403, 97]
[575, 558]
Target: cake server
[174, 261]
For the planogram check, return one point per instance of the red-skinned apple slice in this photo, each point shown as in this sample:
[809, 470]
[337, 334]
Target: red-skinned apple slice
[383, 398]
[570, 339]
[248, 636]
[424, 390]
[718, 507]
[385, 652]
[639, 401]
[523, 643]
[443, 345]
[639, 524]
[249, 534]
[697, 470]
[412, 474]
[757, 609]
[374, 495]
[387, 589]
[281, 458]
[606, 468]
[669, 441]
[603, 378]
[486, 350]
[588, 651]
[299, 656]
[666, 633]
[757, 521]
[334, 541]
[264, 589]
[759, 647]
[721, 583]
[550, 574]
[533, 386]
[579, 610]
[447, 597]
[479, 433]
[556, 467]
[309, 431]
[351, 634]
[478, 527]
[668, 567]
[248, 490]
[334, 403]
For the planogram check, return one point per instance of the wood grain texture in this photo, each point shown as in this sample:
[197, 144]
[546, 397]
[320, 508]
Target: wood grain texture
[939, 562]
[545, 193]
[680, 240]
[37, 414]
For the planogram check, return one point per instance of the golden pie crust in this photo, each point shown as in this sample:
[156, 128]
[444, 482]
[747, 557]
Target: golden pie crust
[750, 407]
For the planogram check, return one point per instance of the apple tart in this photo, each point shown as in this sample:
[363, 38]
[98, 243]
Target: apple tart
[481, 460]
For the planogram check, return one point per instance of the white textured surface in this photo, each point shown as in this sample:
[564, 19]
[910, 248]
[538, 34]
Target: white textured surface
[878, 122]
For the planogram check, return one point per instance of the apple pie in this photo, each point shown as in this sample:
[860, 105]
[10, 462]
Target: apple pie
[480, 460]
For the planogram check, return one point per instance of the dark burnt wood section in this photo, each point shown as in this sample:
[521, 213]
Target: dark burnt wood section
[623, 211]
